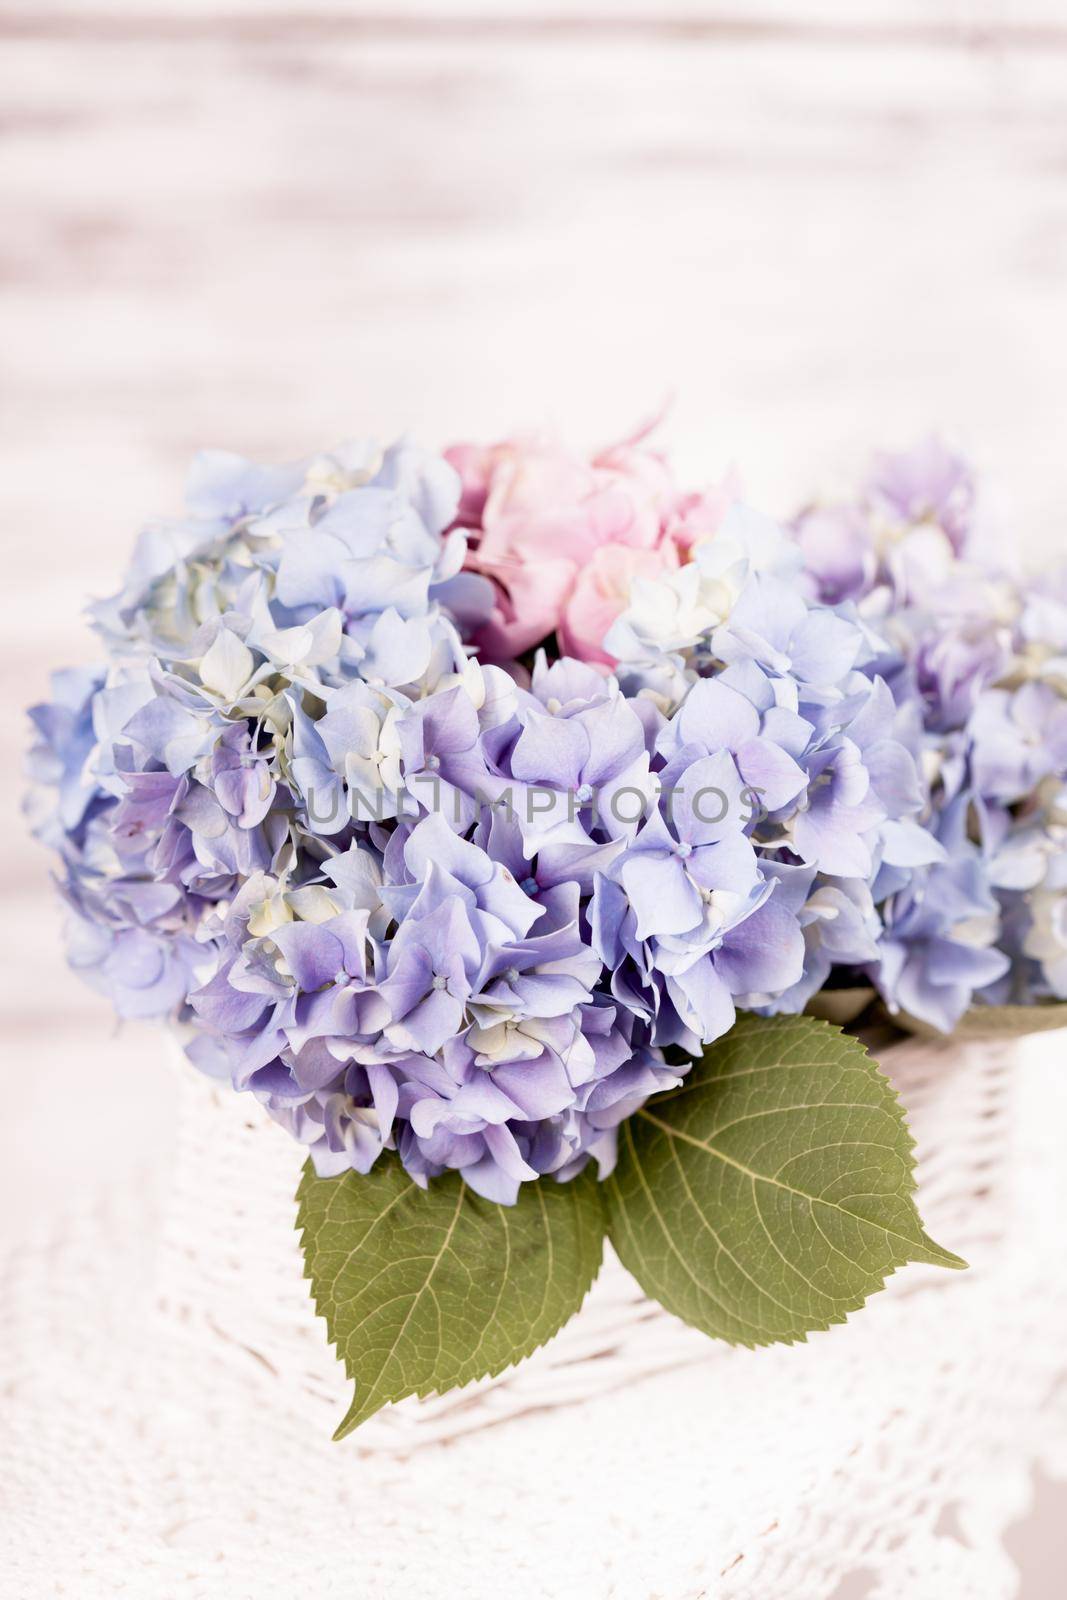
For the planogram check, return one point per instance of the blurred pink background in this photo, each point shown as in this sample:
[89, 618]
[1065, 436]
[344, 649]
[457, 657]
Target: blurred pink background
[819, 227]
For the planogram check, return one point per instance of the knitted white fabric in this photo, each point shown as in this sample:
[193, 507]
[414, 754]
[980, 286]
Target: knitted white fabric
[169, 1398]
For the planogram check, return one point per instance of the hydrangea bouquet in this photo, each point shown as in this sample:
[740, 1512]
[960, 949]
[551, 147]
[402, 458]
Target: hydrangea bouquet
[518, 827]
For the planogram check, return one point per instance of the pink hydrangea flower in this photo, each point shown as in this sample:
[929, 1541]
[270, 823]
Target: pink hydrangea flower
[561, 537]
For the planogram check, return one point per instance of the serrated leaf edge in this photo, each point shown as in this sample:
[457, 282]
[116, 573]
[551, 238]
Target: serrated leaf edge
[820, 1028]
[430, 1387]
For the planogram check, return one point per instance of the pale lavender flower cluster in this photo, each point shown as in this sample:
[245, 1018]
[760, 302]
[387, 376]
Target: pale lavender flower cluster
[975, 659]
[477, 916]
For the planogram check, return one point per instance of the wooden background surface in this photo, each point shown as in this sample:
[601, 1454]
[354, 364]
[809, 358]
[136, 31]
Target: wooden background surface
[819, 227]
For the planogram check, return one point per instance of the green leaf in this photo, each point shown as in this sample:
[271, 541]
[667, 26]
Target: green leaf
[993, 1022]
[771, 1193]
[424, 1290]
